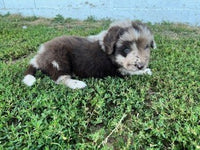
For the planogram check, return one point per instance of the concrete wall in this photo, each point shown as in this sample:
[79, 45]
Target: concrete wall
[185, 11]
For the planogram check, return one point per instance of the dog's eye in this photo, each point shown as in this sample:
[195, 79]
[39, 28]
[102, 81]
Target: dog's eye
[147, 46]
[127, 50]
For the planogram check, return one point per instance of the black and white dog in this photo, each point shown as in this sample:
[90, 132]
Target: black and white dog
[123, 49]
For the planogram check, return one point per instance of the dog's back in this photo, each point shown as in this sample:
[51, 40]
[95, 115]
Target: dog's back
[71, 55]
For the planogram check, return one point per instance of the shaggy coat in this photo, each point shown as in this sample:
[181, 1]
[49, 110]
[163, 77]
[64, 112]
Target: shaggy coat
[123, 49]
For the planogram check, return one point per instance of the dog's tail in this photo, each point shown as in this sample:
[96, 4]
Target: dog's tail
[29, 78]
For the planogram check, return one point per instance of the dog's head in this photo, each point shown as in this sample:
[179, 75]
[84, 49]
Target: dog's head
[128, 44]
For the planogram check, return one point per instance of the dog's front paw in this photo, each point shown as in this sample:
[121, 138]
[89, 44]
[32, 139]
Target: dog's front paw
[75, 84]
[148, 71]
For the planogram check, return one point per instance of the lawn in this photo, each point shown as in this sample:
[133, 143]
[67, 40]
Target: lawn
[161, 111]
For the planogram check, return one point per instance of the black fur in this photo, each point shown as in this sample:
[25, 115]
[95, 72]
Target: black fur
[88, 60]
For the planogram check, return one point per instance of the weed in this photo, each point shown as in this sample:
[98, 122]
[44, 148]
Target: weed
[59, 19]
[90, 19]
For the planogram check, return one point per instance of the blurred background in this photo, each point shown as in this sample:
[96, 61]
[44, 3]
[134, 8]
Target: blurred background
[154, 11]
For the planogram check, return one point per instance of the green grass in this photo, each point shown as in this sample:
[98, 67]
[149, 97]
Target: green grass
[162, 111]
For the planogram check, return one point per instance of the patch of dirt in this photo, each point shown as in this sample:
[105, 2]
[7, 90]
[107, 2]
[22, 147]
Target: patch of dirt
[42, 21]
[171, 34]
[30, 55]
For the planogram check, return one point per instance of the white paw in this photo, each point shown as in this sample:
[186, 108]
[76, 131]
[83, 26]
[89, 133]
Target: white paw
[75, 84]
[148, 71]
[29, 80]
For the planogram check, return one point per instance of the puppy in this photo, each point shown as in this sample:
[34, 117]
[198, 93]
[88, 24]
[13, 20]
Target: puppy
[123, 49]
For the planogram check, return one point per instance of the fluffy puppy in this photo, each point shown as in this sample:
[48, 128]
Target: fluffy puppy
[123, 49]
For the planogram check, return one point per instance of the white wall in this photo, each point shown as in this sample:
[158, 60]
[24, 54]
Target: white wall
[185, 11]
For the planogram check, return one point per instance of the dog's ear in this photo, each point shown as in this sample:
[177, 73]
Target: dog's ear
[153, 44]
[111, 39]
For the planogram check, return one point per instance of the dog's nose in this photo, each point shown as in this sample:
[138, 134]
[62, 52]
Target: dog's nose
[140, 66]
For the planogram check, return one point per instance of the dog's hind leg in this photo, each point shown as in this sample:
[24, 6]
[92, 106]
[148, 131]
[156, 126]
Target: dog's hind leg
[29, 78]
